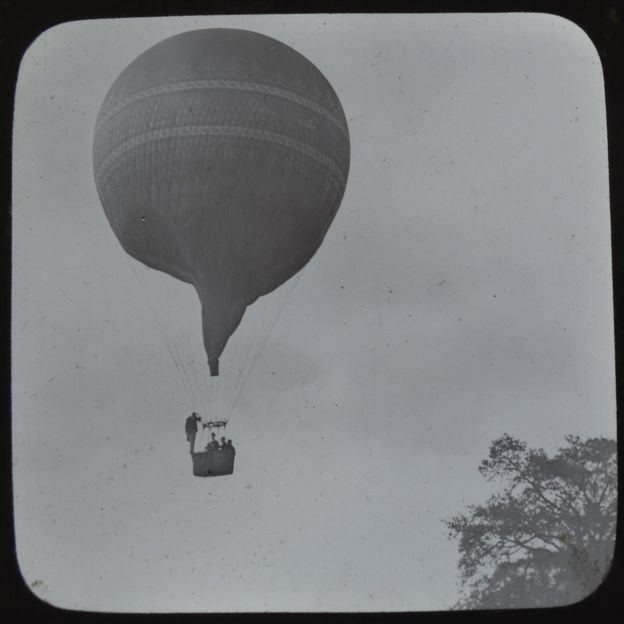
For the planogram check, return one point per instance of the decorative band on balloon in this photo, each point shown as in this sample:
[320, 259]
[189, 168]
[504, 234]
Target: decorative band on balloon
[221, 131]
[224, 84]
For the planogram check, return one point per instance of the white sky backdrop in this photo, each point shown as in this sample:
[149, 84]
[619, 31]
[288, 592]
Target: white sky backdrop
[463, 291]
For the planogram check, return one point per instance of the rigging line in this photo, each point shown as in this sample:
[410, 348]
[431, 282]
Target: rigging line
[242, 352]
[174, 340]
[183, 347]
[199, 368]
[173, 350]
[238, 356]
[198, 383]
[223, 382]
[216, 383]
[247, 351]
[172, 337]
[192, 370]
[238, 378]
[180, 349]
[264, 337]
[272, 320]
[158, 324]
[236, 353]
[269, 311]
[226, 377]
[208, 393]
[163, 332]
[234, 360]
[208, 390]
[187, 347]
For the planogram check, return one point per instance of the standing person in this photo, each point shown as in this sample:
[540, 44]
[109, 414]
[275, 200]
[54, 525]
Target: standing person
[191, 428]
[223, 444]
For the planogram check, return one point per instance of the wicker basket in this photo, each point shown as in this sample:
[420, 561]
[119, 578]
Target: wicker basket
[213, 463]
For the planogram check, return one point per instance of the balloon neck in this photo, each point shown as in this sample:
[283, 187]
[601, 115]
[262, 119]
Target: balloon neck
[220, 317]
[214, 367]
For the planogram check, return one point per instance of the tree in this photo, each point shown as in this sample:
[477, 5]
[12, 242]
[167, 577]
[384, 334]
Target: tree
[547, 539]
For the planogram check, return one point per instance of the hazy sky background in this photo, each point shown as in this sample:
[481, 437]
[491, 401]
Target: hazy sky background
[463, 291]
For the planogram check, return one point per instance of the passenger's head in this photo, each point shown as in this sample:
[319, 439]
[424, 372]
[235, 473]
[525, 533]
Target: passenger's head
[222, 439]
[213, 435]
[229, 442]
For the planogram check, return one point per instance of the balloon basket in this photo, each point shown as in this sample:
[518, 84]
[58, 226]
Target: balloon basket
[213, 463]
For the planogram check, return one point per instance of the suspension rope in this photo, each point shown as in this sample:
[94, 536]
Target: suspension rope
[171, 348]
[269, 322]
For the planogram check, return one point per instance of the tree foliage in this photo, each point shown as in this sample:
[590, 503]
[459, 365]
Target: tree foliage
[547, 539]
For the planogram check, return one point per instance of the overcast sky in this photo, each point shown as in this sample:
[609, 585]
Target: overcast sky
[463, 291]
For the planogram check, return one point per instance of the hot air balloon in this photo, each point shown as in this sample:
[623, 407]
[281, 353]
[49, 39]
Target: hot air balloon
[220, 158]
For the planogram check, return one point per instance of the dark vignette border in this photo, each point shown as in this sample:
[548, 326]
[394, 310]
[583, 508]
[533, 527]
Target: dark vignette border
[22, 23]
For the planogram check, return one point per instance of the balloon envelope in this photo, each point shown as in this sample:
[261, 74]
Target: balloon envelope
[221, 157]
